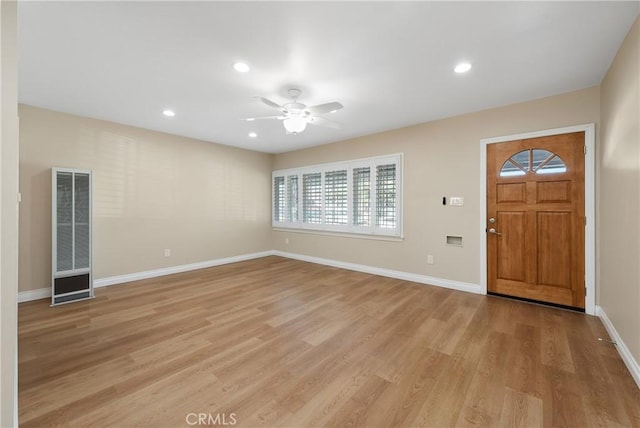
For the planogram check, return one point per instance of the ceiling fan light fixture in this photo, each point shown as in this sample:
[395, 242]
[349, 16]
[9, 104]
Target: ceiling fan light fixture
[241, 67]
[294, 124]
[463, 67]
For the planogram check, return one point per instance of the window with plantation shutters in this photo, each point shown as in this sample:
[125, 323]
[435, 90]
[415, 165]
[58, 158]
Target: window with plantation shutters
[362, 196]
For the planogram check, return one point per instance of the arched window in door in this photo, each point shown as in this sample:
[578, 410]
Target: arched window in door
[532, 161]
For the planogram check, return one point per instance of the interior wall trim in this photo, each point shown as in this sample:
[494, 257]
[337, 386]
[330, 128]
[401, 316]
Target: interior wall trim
[42, 293]
[625, 354]
[406, 276]
[104, 282]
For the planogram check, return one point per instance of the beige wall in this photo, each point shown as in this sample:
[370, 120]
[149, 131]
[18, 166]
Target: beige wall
[151, 191]
[442, 158]
[8, 214]
[619, 193]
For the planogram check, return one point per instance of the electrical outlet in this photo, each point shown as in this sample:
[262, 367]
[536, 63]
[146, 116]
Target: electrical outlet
[429, 259]
[286, 241]
[167, 252]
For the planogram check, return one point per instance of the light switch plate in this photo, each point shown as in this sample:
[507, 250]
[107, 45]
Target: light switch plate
[456, 201]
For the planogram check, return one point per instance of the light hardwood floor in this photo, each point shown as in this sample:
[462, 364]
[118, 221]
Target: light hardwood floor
[277, 342]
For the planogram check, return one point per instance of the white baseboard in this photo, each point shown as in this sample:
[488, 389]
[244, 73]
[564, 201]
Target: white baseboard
[43, 293]
[40, 293]
[413, 277]
[112, 280]
[624, 352]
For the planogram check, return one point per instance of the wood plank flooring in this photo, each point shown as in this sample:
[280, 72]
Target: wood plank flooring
[278, 342]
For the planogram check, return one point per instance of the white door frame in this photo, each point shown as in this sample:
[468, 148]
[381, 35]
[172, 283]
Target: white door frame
[589, 204]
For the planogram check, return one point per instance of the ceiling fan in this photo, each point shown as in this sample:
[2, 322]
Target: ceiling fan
[295, 115]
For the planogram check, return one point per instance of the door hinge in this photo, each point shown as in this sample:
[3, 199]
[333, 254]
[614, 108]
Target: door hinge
[585, 220]
[585, 150]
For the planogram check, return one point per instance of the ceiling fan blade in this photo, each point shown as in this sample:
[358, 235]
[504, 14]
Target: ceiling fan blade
[270, 103]
[251, 119]
[321, 121]
[325, 108]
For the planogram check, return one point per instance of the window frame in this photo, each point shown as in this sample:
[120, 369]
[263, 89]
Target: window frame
[349, 228]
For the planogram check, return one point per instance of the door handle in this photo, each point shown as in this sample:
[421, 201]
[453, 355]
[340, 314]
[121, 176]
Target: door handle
[493, 232]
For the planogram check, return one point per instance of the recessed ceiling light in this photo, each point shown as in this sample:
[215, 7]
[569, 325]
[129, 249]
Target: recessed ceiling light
[253, 134]
[463, 67]
[169, 113]
[250, 119]
[241, 67]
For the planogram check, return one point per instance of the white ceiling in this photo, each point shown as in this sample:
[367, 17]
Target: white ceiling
[389, 63]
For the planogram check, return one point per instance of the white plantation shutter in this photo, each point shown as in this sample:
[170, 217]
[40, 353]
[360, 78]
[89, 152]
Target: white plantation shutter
[292, 198]
[360, 196]
[312, 198]
[386, 196]
[278, 199]
[335, 197]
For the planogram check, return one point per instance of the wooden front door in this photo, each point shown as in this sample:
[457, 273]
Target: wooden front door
[535, 219]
